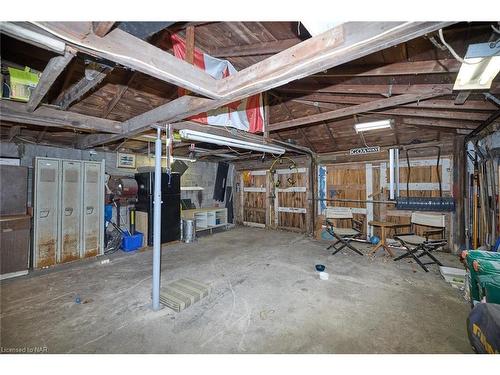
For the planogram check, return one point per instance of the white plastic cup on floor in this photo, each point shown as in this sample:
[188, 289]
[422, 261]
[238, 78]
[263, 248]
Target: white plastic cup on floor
[323, 275]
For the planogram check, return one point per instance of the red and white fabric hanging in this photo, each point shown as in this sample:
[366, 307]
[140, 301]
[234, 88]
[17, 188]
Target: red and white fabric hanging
[246, 114]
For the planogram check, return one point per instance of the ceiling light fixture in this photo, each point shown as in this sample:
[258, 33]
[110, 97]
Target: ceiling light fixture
[232, 142]
[374, 125]
[480, 66]
[180, 158]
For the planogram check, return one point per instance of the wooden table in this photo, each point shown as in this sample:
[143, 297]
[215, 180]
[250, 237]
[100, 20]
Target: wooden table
[382, 244]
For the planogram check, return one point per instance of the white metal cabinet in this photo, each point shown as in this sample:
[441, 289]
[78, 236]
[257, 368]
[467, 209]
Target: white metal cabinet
[93, 209]
[46, 213]
[70, 211]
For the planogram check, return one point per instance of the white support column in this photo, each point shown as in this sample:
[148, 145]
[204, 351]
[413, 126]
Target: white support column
[369, 197]
[157, 223]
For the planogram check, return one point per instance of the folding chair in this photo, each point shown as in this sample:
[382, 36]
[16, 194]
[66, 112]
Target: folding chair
[418, 246]
[343, 235]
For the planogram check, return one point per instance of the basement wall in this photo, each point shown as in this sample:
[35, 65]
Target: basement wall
[199, 174]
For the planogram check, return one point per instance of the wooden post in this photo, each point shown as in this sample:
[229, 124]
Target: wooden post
[190, 45]
[265, 98]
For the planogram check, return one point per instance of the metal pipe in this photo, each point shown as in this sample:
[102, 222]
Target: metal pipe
[354, 201]
[157, 224]
[392, 194]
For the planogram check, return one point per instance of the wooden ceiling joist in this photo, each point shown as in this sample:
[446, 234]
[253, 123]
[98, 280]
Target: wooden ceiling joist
[476, 105]
[170, 112]
[92, 78]
[137, 54]
[450, 115]
[52, 71]
[257, 49]
[439, 123]
[17, 112]
[384, 90]
[396, 69]
[344, 43]
[102, 28]
[357, 109]
[118, 95]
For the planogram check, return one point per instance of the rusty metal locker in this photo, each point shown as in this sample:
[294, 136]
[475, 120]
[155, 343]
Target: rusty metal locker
[70, 211]
[93, 209]
[46, 213]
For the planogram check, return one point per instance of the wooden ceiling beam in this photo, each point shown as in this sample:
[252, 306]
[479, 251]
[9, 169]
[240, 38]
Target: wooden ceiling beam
[119, 94]
[257, 49]
[92, 78]
[414, 112]
[396, 69]
[357, 109]
[344, 43]
[136, 54]
[102, 28]
[49, 116]
[450, 115]
[339, 45]
[477, 105]
[384, 90]
[441, 123]
[172, 111]
[52, 71]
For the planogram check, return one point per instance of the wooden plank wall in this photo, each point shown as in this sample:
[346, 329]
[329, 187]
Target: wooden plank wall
[254, 197]
[292, 206]
[270, 201]
[369, 180]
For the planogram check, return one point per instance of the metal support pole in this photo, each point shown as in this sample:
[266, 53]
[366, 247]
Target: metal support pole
[393, 173]
[157, 224]
[392, 194]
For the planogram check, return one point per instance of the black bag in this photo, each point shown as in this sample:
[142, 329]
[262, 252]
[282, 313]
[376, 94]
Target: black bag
[483, 328]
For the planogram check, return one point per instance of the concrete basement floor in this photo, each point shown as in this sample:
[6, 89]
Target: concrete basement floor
[266, 298]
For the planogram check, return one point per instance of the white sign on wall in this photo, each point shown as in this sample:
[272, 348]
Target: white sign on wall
[364, 150]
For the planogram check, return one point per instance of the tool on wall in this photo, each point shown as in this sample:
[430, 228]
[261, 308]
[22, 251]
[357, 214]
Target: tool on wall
[425, 203]
[291, 166]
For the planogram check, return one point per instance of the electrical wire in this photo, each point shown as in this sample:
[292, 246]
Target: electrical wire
[452, 51]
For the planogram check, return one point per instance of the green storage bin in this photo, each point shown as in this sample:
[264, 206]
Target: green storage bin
[489, 287]
[22, 82]
[489, 264]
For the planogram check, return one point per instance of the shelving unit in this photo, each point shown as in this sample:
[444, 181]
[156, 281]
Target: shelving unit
[207, 218]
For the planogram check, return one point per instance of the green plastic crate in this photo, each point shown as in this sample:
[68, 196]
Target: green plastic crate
[489, 264]
[489, 287]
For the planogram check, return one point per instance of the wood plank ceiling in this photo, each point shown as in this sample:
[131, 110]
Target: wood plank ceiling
[414, 68]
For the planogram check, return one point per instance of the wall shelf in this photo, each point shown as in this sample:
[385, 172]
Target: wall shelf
[207, 218]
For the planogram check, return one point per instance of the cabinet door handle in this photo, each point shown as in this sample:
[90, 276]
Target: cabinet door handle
[68, 211]
[90, 210]
[44, 213]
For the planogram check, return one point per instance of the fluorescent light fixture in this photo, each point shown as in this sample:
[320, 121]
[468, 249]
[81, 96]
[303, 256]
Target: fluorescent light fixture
[193, 135]
[482, 66]
[180, 158]
[374, 125]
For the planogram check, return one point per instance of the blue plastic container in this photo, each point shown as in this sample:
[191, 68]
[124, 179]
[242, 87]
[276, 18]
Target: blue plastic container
[132, 242]
[108, 212]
